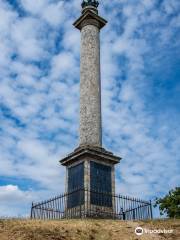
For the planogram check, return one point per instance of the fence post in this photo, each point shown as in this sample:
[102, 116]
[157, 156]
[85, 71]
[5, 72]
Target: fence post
[31, 210]
[151, 209]
[80, 203]
[133, 214]
[124, 215]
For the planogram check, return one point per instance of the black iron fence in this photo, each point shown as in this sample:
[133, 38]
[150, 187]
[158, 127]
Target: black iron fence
[83, 203]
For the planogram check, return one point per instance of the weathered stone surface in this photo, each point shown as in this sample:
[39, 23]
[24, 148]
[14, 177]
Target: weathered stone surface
[90, 88]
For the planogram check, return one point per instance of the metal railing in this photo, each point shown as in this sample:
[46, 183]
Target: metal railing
[84, 203]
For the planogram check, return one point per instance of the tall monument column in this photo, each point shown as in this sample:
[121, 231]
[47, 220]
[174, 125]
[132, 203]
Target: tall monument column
[90, 80]
[90, 178]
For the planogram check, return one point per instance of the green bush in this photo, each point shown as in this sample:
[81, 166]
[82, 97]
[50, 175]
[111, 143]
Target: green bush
[170, 204]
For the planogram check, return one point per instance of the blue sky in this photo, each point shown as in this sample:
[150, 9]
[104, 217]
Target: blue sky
[39, 96]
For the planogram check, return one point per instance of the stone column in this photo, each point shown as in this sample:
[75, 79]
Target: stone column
[90, 23]
[90, 87]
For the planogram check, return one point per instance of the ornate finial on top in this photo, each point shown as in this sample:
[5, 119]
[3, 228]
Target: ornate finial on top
[93, 3]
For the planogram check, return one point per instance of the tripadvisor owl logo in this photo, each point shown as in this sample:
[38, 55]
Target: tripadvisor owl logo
[139, 231]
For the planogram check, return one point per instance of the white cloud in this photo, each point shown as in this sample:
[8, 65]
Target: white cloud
[14, 193]
[52, 13]
[34, 6]
[25, 35]
[12, 200]
[17, 202]
[63, 64]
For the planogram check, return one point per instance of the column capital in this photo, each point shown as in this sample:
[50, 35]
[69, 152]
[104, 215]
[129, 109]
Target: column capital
[89, 18]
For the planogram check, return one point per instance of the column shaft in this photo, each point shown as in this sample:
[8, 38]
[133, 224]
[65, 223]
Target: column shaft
[90, 87]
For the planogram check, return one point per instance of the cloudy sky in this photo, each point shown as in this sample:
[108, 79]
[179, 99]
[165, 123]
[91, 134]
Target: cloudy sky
[39, 96]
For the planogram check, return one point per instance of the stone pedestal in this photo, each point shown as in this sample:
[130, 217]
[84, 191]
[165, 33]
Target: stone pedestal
[96, 197]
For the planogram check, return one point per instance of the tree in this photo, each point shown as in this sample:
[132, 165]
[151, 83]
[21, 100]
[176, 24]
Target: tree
[170, 204]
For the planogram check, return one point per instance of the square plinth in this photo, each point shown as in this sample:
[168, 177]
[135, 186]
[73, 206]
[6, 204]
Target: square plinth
[90, 180]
